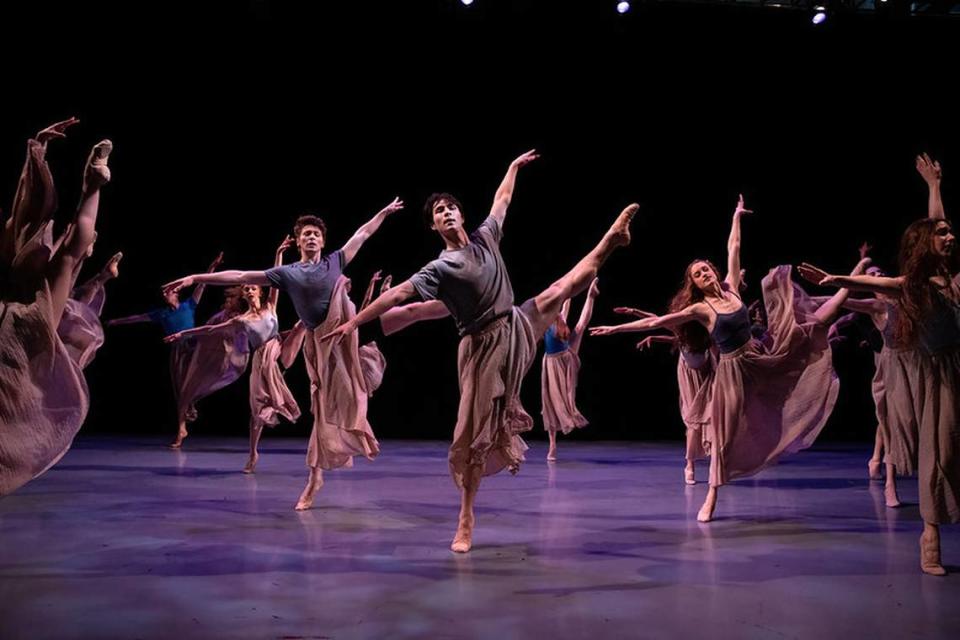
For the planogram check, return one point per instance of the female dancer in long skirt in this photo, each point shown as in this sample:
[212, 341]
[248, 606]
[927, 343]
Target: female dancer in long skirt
[43, 396]
[561, 371]
[763, 403]
[198, 367]
[270, 398]
[926, 328]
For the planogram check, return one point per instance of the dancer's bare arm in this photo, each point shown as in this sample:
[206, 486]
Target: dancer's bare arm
[134, 319]
[876, 284]
[198, 290]
[288, 242]
[368, 294]
[203, 330]
[649, 341]
[931, 173]
[401, 317]
[501, 200]
[694, 313]
[387, 301]
[585, 315]
[733, 247]
[221, 279]
[368, 229]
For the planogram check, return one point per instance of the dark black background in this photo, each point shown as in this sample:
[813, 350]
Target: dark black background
[230, 118]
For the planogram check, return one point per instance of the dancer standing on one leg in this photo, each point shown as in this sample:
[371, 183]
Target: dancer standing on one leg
[372, 361]
[763, 403]
[43, 396]
[270, 398]
[891, 394]
[498, 340]
[922, 377]
[928, 291]
[319, 294]
[561, 369]
[195, 370]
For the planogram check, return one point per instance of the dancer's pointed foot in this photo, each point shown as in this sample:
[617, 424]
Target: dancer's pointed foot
[112, 268]
[97, 173]
[873, 468]
[251, 465]
[552, 453]
[688, 477]
[620, 230]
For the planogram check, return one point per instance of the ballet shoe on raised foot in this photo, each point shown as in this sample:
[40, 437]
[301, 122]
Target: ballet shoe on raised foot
[890, 496]
[463, 540]
[930, 557]
[688, 477]
[112, 269]
[620, 231]
[873, 468]
[251, 465]
[306, 498]
[97, 173]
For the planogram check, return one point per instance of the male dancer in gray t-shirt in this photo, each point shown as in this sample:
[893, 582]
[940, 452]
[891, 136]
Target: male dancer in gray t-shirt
[338, 433]
[498, 340]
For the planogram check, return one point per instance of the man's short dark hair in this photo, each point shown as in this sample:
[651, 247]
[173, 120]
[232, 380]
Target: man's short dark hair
[309, 220]
[433, 200]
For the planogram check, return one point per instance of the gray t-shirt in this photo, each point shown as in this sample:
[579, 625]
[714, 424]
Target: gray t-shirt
[471, 282]
[309, 285]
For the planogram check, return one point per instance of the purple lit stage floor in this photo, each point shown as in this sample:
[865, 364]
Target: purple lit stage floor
[127, 539]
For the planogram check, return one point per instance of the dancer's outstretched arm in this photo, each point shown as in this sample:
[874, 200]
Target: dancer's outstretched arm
[585, 315]
[202, 330]
[876, 284]
[649, 341]
[399, 318]
[829, 310]
[696, 312]
[221, 279]
[288, 242]
[565, 309]
[368, 295]
[931, 172]
[385, 302]
[630, 311]
[134, 319]
[368, 229]
[198, 290]
[501, 200]
[733, 248]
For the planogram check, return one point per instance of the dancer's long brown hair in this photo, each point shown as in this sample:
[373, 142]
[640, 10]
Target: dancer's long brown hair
[693, 336]
[918, 264]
